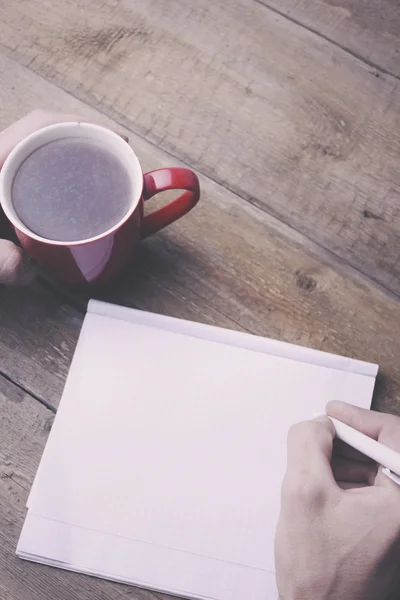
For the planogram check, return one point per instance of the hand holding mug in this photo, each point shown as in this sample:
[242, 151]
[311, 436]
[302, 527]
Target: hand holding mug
[59, 171]
[15, 267]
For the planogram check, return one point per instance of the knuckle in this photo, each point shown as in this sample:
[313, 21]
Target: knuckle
[38, 113]
[39, 118]
[310, 431]
[299, 431]
[302, 490]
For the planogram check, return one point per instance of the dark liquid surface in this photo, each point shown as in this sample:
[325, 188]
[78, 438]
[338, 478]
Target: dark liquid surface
[71, 189]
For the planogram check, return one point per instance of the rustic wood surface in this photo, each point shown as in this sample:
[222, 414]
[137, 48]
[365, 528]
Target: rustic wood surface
[292, 123]
[368, 29]
[284, 118]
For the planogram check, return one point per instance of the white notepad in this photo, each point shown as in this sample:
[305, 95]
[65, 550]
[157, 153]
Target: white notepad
[164, 464]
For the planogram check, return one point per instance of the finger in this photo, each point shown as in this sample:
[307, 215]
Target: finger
[368, 422]
[15, 268]
[309, 480]
[379, 426]
[353, 470]
[340, 448]
[348, 485]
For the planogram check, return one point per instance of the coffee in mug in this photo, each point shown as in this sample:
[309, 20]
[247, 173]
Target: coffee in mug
[71, 189]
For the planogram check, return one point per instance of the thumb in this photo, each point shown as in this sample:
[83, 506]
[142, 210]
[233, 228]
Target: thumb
[15, 268]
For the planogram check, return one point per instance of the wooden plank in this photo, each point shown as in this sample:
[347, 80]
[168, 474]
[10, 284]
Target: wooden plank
[38, 334]
[273, 112]
[227, 263]
[369, 29]
[24, 429]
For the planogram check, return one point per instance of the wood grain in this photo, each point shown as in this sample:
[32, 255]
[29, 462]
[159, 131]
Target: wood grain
[284, 126]
[38, 333]
[268, 109]
[369, 29]
[227, 263]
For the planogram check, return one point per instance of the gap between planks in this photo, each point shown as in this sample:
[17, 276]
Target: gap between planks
[284, 226]
[352, 53]
[34, 396]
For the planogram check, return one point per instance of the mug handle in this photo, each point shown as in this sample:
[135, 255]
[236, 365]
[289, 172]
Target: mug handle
[173, 178]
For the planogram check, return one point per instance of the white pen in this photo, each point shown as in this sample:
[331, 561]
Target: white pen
[388, 458]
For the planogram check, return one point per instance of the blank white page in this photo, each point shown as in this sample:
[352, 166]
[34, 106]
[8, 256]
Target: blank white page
[178, 443]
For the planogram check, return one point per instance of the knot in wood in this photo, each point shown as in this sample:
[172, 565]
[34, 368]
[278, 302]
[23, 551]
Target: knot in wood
[305, 282]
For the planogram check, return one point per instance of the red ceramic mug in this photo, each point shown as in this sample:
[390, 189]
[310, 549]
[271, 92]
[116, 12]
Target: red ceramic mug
[100, 259]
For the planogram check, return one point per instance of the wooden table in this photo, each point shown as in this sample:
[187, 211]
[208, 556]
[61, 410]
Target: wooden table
[289, 111]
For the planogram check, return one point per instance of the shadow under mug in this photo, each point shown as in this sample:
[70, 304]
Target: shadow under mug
[98, 260]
